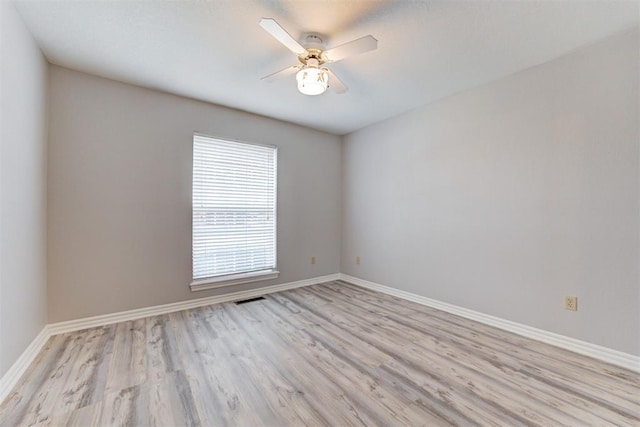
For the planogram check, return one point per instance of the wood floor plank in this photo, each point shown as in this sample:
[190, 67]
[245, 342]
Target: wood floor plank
[166, 402]
[162, 359]
[47, 399]
[441, 374]
[218, 401]
[535, 348]
[128, 366]
[349, 374]
[349, 346]
[571, 379]
[85, 416]
[325, 355]
[531, 360]
[271, 378]
[540, 354]
[571, 399]
[15, 407]
[88, 374]
[289, 355]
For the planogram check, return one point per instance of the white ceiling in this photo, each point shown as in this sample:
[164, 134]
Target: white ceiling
[215, 51]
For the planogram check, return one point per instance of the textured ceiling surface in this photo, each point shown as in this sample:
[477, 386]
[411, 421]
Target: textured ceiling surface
[215, 51]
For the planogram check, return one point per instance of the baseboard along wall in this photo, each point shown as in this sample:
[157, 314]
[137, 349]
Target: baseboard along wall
[605, 354]
[15, 372]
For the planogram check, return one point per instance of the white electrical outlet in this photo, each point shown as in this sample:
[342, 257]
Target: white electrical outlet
[358, 260]
[313, 260]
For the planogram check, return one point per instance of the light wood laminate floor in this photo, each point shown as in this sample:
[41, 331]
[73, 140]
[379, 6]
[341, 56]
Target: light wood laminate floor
[331, 354]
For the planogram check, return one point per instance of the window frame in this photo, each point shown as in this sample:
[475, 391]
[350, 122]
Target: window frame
[235, 278]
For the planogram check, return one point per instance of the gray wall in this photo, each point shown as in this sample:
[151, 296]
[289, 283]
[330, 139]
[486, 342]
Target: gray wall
[505, 198]
[23, 133]
[119, 205]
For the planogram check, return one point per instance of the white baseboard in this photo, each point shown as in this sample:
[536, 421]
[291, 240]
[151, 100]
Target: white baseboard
[139, 313]
[605, 354]
[11, 378]
[15, 372]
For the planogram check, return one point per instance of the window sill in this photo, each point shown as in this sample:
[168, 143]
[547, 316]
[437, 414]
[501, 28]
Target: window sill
[233, 279]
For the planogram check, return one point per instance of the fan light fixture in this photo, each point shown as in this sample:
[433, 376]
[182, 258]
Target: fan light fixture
[311, 79]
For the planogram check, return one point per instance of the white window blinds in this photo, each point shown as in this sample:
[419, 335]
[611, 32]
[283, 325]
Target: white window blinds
[234, 207]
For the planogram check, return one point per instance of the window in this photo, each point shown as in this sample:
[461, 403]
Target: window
[234, 212]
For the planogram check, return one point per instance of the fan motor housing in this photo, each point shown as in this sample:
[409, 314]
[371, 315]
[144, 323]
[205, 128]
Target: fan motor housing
[315, 46]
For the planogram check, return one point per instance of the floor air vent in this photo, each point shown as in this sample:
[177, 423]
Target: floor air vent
[244, 301]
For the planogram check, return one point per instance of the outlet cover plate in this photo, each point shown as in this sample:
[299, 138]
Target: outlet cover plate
[571, 303]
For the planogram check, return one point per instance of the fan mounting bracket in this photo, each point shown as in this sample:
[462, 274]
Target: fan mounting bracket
[313, 41]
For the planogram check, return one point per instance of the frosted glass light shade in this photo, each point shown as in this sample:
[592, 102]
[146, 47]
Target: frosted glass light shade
[312, 80]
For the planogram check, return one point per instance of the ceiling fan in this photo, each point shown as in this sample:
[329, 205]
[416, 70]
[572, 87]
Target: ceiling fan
[312, 77]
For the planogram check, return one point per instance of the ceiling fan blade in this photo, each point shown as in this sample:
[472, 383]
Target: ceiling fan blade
[282, 73]
[355, 47]
[335, 84]
[280, 34]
